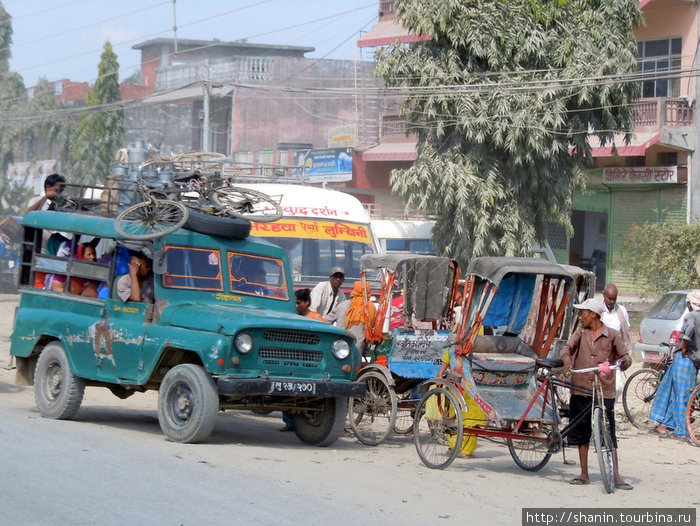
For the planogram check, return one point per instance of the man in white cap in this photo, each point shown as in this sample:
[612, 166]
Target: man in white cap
[325, 296]
[590, 345]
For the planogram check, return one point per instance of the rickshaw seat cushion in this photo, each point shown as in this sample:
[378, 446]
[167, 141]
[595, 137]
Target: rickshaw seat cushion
[487, 344]
[502, 362]
[502, 354]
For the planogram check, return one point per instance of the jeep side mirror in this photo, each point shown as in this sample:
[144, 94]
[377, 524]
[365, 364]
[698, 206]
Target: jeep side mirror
[160, 262]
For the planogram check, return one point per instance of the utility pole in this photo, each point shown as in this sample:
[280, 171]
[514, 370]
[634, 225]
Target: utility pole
[205, 121]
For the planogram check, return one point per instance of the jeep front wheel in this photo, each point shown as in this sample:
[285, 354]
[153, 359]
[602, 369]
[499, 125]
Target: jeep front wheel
[187, 404]
[57, 391]
[322, 425]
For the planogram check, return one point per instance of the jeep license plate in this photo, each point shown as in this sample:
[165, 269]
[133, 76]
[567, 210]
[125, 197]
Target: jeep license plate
[293, 388]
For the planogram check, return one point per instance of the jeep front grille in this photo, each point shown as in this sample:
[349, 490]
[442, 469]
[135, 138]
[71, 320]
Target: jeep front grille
[287, 336]
[290, 357]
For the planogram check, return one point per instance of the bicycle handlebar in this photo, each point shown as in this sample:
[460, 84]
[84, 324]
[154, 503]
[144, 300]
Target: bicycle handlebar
[603, 367]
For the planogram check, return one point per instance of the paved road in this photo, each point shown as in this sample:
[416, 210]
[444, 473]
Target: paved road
[113, 466]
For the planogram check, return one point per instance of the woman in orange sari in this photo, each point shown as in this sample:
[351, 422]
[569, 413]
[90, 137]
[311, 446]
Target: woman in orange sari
[355, 314]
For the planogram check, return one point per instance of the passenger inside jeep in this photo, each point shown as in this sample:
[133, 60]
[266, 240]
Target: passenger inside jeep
[249, 275]
[137, 285]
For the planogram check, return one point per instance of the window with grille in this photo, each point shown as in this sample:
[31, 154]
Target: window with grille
[660, 61]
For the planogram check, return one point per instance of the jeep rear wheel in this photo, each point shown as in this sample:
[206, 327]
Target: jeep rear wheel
[58, 393]
[323, 425]
[187, 404]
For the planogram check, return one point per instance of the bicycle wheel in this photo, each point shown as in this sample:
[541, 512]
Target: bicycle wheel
[438, 417]
[372, 415]
[604, 448]
[246, 204]
[150, 219]
[638, 395]
[530, 455]
[406, 409]
[692, 416]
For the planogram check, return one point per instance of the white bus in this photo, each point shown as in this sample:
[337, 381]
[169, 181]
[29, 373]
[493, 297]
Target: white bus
[319, 229]
[404, 235]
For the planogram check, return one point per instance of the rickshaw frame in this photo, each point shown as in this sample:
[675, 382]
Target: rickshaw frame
[509, 377]
[375, 416]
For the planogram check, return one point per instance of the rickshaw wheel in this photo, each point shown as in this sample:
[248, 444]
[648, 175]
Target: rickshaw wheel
[406, 410]
[438, 428]
[530, 455]
[372, 416]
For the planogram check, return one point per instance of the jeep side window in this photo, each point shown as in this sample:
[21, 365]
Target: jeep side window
[193, 268]
[257, 275]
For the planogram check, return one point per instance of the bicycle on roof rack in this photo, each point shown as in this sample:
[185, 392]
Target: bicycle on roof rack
[163, 192]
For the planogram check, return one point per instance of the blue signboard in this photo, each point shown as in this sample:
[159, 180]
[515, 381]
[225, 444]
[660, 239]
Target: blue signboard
[329, 164]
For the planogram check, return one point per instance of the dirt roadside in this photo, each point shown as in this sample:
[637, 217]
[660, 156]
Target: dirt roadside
[389, 483]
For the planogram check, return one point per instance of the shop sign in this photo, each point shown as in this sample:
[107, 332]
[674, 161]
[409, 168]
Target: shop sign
[342, 136]
[329, 164]
[640, 175]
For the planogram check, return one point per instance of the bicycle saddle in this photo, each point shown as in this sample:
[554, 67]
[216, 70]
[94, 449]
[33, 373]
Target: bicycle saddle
[548, 362]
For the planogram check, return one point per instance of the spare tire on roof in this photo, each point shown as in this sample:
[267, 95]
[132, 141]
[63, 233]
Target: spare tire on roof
[228, 227]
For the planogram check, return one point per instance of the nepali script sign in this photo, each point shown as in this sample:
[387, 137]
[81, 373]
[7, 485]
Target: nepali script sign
[418, 355]
[312, 228]
[640, 175]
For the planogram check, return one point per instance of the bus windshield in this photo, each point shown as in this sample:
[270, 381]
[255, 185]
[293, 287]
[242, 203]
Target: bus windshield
[319, 229]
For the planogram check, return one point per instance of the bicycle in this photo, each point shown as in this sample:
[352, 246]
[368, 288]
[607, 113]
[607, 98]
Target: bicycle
[602, 438]
[151, 217]
[199, 184]
[531, 439]
[640, 390]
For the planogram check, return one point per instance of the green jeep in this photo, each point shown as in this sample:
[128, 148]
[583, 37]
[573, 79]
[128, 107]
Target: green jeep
[222, 332]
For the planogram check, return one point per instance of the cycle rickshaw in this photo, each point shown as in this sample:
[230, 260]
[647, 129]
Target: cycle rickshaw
[528, 304]
[412, 328]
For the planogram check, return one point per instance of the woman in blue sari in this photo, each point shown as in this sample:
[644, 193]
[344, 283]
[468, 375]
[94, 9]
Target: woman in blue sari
[668, 407]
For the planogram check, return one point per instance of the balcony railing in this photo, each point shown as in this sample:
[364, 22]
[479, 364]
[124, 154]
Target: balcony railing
[386, 8]
[651, 113]
[393, 126]
[655, 113]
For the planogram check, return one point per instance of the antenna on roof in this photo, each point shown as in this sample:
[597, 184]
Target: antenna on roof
[175, 27]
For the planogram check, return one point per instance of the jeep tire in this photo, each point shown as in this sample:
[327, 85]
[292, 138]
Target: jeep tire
[324, 426]
[187, 404]
[58, 393]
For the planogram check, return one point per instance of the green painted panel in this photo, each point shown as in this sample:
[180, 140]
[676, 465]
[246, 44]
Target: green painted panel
[638, 206]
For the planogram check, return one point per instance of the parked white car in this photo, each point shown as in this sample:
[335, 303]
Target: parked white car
[661, 324]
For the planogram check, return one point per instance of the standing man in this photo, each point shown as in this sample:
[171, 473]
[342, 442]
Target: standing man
[53, 186]
[616, 317]
[326, 295]
[590, 345]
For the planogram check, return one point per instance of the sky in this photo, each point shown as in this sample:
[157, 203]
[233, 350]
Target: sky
[63, 39]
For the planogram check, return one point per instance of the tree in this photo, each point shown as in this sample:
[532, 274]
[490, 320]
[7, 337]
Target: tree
[663, 256]
[502, 99]
[101, 128]
[13, 196]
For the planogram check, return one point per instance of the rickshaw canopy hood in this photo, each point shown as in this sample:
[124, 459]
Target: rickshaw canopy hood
[494, 269]
[392, 261]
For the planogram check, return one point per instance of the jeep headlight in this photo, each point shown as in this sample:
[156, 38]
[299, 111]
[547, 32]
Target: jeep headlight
[243, 343]
[340, 349]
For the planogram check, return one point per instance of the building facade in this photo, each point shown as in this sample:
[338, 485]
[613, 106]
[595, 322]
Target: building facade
[649, 180]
